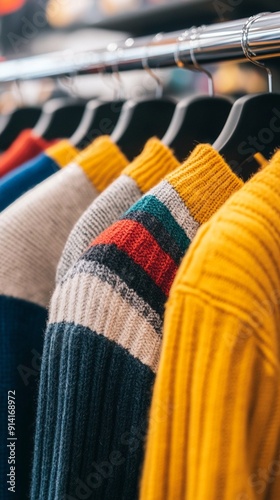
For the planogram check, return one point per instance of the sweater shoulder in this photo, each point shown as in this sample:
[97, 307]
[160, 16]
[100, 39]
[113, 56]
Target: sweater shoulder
[234, 260]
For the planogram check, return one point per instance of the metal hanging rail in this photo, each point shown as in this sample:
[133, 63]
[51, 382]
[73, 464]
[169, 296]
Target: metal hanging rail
[210, 44]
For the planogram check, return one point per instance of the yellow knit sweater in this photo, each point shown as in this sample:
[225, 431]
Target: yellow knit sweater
[215, 420]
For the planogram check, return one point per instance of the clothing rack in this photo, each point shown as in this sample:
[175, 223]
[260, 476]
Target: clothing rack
[208, 44]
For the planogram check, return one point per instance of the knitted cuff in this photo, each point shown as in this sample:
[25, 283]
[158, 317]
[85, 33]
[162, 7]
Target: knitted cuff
[102, 162]
[204, 181]
[149, 168]
[62, 153]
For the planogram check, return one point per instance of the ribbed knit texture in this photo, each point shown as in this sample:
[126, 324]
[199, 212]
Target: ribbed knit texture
[24, 148]
[103, 341]
[28, 175]
[108, 155]
[33, 233]
[215, 418]
[155, 161]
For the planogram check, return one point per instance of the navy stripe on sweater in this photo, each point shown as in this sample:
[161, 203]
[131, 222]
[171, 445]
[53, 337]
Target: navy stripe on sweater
[78, 467]
[131, 273]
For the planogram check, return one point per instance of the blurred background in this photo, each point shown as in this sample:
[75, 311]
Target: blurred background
[29, 27]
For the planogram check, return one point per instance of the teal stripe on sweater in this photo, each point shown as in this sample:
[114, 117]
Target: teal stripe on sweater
[153, 206]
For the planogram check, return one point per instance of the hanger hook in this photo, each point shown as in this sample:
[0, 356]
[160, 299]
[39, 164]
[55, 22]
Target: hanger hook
[18, 91]
[192, 35]
[248, 53]
[177, 59]
[119, 89]
[146, 67]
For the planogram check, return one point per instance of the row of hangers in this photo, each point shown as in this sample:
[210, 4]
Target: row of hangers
[229, 127]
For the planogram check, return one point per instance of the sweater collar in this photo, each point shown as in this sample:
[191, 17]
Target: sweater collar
[102, 161]
[204, 182]
[62, 153]
[150, 167]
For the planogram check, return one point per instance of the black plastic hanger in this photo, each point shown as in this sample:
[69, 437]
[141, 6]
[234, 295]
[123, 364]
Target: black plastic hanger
[253, 124]
[14, 123]
[141, 120]
[197, 119]
[99, 118]
[60, 118]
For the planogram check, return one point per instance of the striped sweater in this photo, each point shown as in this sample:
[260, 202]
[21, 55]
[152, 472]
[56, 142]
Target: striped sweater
[31, 173]
[219, 369]
[103, 341]
[33, 233]
[155, 161]
[25, 147]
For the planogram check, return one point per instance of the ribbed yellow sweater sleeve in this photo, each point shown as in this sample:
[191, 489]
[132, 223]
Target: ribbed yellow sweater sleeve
[214, 429]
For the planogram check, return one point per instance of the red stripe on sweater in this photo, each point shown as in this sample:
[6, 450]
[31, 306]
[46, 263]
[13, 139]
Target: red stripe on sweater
[131, 237]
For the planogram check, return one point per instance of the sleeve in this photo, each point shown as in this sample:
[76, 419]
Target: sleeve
[213, 426]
